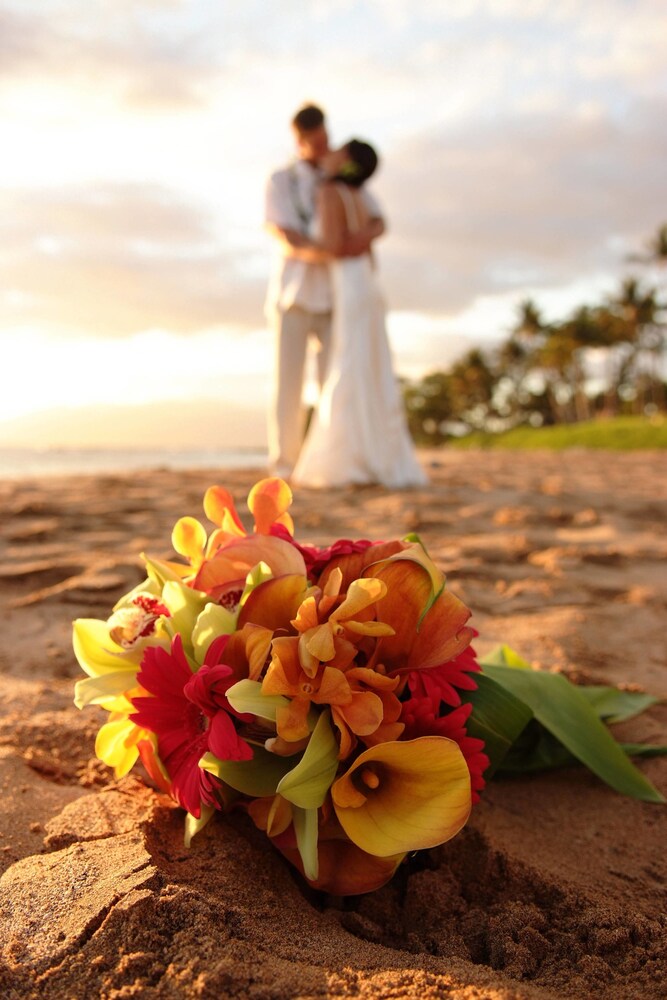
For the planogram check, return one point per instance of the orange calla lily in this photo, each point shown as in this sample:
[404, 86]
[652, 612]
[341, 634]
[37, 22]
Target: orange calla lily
[404, 796]
[343, 868]
[352, 565]
[418, 643]
[274, 603]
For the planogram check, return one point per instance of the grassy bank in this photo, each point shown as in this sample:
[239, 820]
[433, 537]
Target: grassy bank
[616, 434]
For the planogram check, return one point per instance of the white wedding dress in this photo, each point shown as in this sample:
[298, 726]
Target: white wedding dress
[358, 432]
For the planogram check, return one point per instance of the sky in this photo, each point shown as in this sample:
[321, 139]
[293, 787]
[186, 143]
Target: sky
[523, 154]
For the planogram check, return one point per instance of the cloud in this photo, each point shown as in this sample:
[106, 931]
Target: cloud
[113, 260]
[535, 200]
[131, 52]
[197, 424]
[523, 145]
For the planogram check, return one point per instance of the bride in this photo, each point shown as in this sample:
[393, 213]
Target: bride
[358, 432]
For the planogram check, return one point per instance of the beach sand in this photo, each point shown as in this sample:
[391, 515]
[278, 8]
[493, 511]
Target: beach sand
[557, 886]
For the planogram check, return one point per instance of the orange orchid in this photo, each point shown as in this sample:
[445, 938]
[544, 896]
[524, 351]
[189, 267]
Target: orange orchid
[318, 667]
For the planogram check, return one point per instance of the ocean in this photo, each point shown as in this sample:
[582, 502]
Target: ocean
[17, 463]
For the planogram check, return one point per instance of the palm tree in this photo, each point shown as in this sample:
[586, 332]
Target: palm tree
[658, 246]
[636, 330]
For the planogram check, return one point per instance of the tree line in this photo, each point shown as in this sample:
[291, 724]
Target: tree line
[607, 358]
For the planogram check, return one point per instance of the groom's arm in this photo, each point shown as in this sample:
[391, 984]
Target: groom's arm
[282, 222]
[294, 244]
[360, 242]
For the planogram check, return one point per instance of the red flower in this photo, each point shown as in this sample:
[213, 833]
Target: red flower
[190, 715]
[421, 719]
[317, 559]
[441, 683]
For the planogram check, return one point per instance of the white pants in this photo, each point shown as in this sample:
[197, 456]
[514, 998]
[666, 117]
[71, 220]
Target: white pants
[293, 329]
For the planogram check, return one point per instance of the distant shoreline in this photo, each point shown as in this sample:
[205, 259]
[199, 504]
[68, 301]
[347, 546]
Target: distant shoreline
[19, 462]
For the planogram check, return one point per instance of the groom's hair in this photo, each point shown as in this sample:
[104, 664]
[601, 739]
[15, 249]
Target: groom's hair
[308, 118]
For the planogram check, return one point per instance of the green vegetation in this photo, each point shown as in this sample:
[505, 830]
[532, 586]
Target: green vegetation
[615, 434]
[605, 360]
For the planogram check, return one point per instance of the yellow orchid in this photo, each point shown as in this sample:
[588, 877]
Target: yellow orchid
[117, 742]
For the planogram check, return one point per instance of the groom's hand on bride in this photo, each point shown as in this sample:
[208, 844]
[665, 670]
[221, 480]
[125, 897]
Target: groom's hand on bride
[357, 243]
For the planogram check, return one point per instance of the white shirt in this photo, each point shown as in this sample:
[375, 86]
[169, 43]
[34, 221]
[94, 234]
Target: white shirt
[290, 204]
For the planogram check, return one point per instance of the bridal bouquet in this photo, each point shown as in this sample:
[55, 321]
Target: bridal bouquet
[332, 693]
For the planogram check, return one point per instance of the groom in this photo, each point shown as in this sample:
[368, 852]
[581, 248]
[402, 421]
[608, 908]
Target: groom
[298, 303]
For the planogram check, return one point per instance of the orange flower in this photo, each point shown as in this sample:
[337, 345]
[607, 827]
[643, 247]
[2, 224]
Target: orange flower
[319, 666]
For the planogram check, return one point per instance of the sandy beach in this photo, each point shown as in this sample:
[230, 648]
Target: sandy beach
[555, 889]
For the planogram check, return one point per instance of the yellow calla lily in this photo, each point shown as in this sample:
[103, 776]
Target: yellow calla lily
[404, 796]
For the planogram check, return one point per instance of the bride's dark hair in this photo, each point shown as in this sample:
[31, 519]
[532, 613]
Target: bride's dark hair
[361, 164]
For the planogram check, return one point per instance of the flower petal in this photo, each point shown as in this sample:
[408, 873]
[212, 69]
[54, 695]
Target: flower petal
[189, 539]
[307, 784]
[97, 653]
[274, 603]
[235, 560]
[97, 690]
[360, 595]
[219, 508]
[353, 564]
[442, 634]
[268, 501]
[246, 697]
[343, 868]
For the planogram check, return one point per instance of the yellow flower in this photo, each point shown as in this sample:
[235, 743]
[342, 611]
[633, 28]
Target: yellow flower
[404, 796]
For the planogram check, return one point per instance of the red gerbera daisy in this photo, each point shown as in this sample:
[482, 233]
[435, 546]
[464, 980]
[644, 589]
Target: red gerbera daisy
[441, 683]
[190, 715]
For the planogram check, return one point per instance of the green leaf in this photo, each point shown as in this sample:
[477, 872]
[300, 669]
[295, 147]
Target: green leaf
[307, 784]
[305, 828]
[538, 750]
[498, 718]
[614, 705]
[193, 825]
[258, 777]
[504, 656]
[645, 749]
[564, 711]
[246, 696]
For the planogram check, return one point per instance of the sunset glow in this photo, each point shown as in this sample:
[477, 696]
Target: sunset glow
[522, 154]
